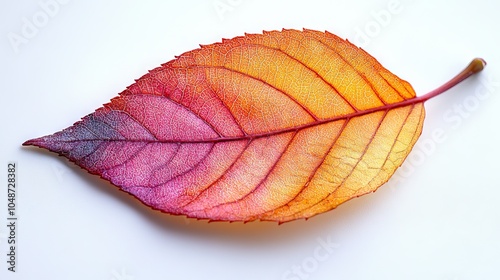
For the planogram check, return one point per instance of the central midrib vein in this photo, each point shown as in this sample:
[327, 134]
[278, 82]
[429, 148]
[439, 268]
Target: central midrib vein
[386, 107]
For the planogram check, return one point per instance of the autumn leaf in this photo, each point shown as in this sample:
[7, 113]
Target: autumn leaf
[274, 126]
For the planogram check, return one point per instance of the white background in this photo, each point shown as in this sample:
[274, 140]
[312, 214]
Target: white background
[438, 220]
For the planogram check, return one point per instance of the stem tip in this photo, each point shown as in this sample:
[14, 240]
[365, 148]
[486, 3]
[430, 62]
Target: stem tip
[476, 65]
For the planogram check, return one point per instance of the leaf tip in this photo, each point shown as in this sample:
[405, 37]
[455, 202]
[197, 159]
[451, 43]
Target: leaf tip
[37, 142]
[41, 142]
[27, 143]
[31, 142]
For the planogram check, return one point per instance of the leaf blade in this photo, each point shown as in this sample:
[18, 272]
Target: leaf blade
[185, 140]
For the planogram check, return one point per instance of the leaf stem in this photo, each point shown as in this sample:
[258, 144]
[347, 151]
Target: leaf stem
[475, 66]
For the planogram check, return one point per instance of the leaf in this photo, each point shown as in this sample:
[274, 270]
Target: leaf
[274, 126]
